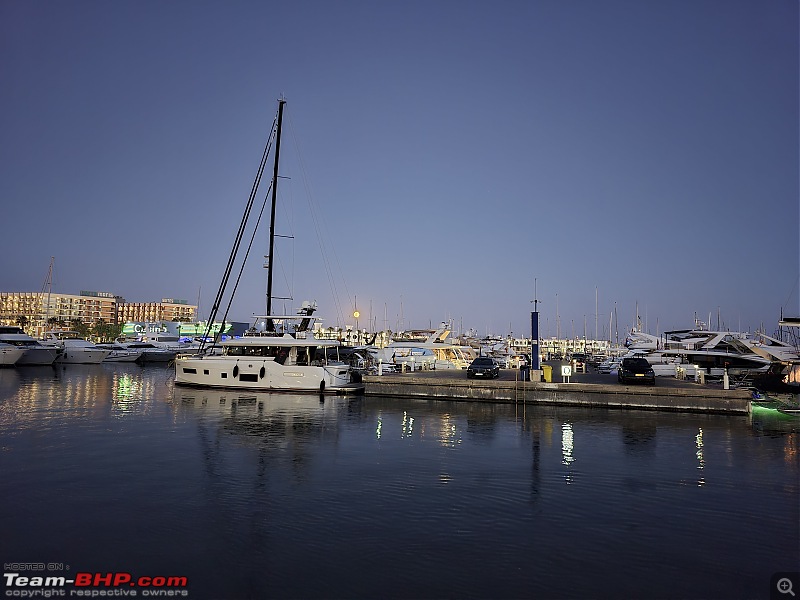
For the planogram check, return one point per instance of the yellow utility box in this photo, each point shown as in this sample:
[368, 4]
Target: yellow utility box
[547, 373]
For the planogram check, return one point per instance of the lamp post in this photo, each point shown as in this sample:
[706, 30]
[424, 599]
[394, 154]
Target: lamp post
[356, 314]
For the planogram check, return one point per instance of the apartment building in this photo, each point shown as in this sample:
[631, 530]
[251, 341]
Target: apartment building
[39, 311]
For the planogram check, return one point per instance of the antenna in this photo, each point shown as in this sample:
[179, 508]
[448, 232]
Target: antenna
[535, 300]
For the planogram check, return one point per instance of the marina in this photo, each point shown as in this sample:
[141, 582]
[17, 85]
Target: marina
[258, 495]
[410, 301]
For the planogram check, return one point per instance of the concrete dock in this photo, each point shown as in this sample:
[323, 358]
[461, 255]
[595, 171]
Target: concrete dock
[584, 389]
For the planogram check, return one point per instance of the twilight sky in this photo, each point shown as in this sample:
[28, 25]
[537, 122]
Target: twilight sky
[439, 157]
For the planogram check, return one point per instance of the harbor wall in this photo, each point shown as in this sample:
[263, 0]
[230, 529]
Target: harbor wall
[690, 399]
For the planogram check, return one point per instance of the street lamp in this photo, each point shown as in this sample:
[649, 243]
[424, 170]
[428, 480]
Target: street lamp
[356, 314]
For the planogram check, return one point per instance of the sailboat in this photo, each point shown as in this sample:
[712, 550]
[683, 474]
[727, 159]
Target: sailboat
[284, 355]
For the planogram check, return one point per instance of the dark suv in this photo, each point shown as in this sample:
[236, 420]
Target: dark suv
[483, 366]
[636, 369]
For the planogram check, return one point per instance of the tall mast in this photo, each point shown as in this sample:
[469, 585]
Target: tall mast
[270, 324]
[48, 284]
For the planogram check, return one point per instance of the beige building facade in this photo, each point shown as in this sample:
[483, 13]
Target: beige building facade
[38, 312]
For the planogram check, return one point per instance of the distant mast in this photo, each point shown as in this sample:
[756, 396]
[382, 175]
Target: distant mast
[270, 324]
[48, 285]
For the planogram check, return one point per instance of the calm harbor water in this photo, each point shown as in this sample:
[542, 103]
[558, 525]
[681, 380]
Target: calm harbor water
[112, 469]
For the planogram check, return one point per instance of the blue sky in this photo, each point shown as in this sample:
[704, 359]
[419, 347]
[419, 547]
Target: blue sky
[620, 153]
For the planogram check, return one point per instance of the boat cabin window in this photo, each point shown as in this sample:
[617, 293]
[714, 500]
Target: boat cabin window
[261, 351]
[299, 355]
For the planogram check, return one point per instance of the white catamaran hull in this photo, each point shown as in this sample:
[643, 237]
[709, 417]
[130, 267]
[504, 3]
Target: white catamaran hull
[263, 374]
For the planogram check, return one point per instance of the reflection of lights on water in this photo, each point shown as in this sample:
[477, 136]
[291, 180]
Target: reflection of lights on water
[378, 430]
[126, 392]
[566, 444]
[701, 463]
[698, 440]
[408, 425]
[790, 450]
[445, 478]
[567, 447]
[447, 431]
[124, 385]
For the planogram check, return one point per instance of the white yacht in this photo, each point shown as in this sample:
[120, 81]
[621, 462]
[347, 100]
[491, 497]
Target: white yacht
[34, 352]
[286, 359]
[119, 353]
[285, 355]
[172, 343]
[150, 353]
[75, 349]
[691, 349]
[433, 353]
[9, 354]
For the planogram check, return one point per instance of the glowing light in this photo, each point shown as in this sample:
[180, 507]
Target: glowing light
[701, 463]
[567, 444]
[408, 425]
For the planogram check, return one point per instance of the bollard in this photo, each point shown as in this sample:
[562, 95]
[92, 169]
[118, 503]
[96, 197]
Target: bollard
[380, 367]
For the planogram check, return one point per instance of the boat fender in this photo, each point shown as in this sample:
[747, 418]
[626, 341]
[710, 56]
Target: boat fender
[321, 386]
[262, 372]
[235, 371]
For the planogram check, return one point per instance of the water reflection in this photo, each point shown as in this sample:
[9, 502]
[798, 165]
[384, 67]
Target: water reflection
[701, 463]
[567, 450]
[304, 487]
[41, 394]
[639, 436]
[408, 426]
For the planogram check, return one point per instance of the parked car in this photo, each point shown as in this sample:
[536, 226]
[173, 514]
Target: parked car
[636, 369]
[578, 363]
[483, 366]
[608, 366]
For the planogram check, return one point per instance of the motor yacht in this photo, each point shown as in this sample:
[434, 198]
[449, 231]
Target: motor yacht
[433, 353]
[690, 350]
[119, 353]
[75, 349]
[9, 354]
[34, 353]
[150, 353]
[172, 343]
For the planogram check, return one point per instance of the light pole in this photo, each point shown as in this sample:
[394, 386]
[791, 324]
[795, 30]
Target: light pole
[356, 314]
[535, 331]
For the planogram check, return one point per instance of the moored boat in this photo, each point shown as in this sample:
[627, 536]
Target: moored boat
[34, 353]
[9, 354]
[284, 355]
[296, 361]
[75, 349]
[120, 353]
[432, 353]
[150, 353]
